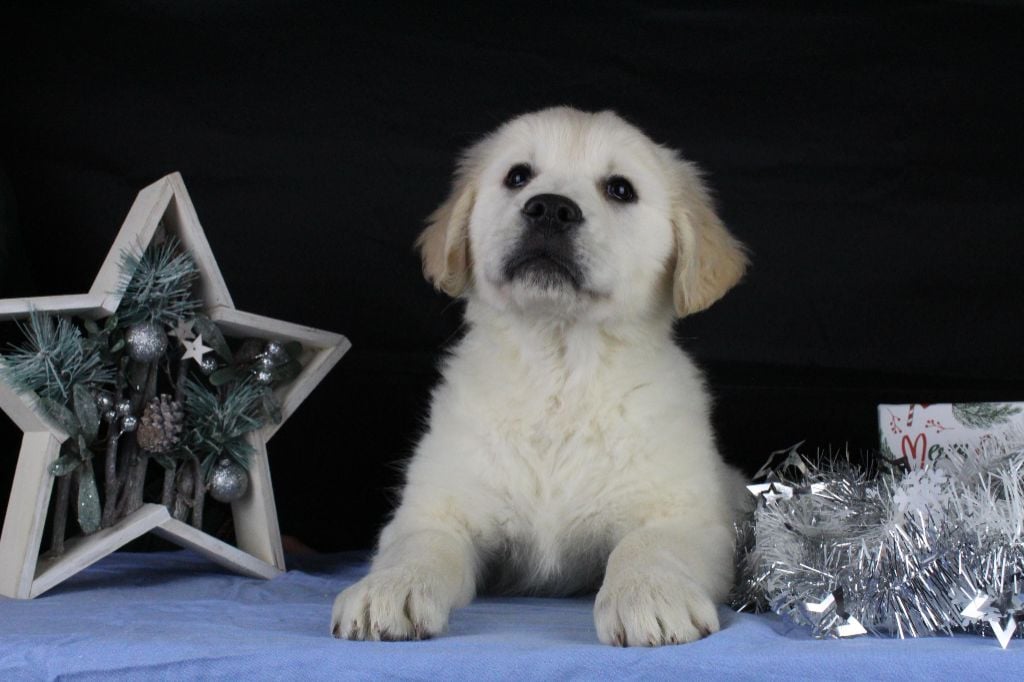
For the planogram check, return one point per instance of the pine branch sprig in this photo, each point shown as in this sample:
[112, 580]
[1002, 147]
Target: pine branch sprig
[158, 284]
[984, 415]
[53, 359]
[217, 424]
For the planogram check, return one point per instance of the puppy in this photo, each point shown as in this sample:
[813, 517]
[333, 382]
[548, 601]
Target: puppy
[569, 446]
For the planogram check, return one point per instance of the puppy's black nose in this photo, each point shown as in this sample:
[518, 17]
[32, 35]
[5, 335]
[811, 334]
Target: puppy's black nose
[553, 212]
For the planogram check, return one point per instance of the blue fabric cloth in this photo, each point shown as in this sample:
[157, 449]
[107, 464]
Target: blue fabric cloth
[175, 616]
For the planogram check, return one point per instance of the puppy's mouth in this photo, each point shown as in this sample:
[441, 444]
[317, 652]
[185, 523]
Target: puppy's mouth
[544, 268]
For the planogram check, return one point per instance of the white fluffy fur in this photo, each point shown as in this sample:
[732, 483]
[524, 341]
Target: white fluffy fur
[569, 445]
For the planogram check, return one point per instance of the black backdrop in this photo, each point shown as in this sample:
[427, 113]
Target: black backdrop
[869, 155]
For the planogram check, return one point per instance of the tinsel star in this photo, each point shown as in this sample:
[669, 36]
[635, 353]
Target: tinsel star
[781, 460]
[844, 625]
[195, 350]
[771, 492]
[1001, 615]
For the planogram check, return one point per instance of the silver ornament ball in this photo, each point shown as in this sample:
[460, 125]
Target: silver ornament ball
[146, 341]
[129, 423]
[124, 408]
[276, 353]
[208, 366]
[264, 376]
[104, 402]
[229, 481]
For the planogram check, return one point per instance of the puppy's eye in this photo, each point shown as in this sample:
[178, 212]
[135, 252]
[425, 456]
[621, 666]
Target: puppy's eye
[620, 189]
[518, 175]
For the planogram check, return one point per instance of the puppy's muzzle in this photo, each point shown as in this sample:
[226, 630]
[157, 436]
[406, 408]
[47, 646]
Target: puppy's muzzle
[546, 255]
[552, 214]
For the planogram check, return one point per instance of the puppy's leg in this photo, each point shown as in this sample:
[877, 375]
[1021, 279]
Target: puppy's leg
[662, 583]
[418, 576]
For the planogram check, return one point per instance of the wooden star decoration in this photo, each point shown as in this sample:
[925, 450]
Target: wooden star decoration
[24, 572]
[183, 330]
[195, 349]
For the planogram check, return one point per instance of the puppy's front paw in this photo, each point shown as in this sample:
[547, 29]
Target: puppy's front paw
[643, 609]
[391, 604]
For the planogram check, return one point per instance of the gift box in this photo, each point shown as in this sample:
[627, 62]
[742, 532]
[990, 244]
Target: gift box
[920, 433]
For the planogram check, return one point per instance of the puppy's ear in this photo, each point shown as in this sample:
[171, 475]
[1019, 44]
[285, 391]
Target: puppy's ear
[444, 244]
[709, 260]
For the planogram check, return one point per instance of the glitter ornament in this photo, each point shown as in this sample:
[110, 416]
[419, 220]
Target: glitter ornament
[229, 481]
[263, 376]
[147, 341]
[129, 423]
[104, 402]
[124, 408]
[275, 353]
[208, 366]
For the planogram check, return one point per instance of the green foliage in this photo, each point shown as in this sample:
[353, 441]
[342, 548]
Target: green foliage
[984, 415]
[53, 359]
[65, 464]
[107, 341]
[157, 286]
[216, 422]
[212, 336]
[89, 512]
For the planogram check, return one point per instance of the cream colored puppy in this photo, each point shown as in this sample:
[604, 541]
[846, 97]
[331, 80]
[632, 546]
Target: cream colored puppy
[569, 446]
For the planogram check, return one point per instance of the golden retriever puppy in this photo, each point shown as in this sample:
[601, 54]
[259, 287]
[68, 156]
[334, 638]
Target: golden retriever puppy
[569, 446]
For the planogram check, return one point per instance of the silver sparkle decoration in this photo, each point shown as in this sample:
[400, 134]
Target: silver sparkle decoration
[124, 408]
[229, 481]
[129, 423]
[146, 341]
[275, 352]
[208, 365]
[263, 376]
[912, 553]
[104, 402]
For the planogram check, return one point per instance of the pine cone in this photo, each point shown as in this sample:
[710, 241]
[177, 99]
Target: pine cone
[160, 427]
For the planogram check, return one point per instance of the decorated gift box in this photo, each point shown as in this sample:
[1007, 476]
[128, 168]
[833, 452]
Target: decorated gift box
[919, 433]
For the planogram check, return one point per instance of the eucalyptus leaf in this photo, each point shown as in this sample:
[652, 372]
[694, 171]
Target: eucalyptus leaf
[91, 326]
[272, 406]
[226, 375]
[88, 501]
[65, 464]
[294, 349]
[117, 346]
[213, 337]
[83, 448]
[60, 414]
[87, 412]
[287, 371]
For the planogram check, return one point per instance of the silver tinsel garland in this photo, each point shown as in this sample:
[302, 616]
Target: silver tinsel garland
[905, 552]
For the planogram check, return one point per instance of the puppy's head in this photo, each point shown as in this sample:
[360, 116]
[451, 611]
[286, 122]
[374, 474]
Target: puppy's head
[577, 214]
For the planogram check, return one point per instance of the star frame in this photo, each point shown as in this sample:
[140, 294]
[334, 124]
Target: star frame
[24, 572]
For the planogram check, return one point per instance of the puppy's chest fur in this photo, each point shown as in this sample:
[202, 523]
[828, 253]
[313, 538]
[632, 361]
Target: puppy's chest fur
[564, 457]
